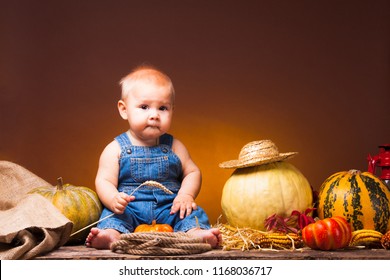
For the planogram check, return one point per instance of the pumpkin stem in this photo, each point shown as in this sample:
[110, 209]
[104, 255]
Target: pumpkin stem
[153, 222]
[60, 183]
[354, 172]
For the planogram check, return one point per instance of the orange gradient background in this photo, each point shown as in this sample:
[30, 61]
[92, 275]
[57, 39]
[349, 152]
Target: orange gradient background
[312, 76]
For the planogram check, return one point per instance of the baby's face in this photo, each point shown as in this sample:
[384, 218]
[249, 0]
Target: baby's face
[148, 109]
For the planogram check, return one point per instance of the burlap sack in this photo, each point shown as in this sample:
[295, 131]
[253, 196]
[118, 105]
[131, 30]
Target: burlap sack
[29, 224]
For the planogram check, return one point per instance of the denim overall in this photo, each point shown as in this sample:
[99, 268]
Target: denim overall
[158, 163]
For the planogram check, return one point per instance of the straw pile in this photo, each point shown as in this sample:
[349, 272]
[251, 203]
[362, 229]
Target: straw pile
[245, 239]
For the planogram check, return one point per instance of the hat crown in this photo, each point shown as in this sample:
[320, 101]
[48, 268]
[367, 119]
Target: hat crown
[257, 153]
[262, 148]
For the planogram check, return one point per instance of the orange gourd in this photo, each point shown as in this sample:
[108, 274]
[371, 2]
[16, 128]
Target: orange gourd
[154, 227]
[327, 234]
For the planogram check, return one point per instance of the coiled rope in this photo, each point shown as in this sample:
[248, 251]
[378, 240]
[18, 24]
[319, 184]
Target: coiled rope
[159, 243]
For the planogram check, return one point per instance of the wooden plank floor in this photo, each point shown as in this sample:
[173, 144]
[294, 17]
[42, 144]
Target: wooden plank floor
[84, 253]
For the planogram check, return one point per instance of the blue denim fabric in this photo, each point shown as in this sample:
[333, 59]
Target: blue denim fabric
[158, 163]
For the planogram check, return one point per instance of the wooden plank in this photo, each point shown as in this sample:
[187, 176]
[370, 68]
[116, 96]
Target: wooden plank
[84, 253]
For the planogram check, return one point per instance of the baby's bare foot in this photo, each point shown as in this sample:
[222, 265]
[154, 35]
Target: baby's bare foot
[101, 238]
[211, 236]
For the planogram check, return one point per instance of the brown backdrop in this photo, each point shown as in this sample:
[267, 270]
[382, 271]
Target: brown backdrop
[313, 76]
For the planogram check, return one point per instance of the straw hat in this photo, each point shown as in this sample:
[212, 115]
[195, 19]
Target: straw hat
[257, 153]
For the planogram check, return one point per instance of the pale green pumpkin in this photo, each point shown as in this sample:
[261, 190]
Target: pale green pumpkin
[252, 194]
[80, 205]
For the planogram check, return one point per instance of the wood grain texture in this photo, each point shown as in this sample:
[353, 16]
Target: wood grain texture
[84, 253]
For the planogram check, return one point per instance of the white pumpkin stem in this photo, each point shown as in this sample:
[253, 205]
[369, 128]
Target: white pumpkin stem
[60, 183]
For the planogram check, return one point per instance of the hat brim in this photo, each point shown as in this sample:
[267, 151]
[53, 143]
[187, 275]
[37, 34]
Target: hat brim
[255, 161]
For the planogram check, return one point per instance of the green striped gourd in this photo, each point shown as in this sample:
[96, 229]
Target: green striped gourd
[361, 197]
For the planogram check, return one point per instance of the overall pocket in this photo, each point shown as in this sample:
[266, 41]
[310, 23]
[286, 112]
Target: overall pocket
[144, 169]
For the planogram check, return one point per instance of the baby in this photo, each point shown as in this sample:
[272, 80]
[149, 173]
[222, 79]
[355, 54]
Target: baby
[146, 152]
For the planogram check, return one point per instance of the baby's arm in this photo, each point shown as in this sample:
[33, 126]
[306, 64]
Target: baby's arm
[107, 180]
[192, 180]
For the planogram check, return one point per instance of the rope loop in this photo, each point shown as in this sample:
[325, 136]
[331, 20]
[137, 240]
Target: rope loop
[159, 243]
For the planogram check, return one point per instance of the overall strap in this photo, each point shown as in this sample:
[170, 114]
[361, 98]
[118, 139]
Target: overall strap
[124, 142]
[166, 139]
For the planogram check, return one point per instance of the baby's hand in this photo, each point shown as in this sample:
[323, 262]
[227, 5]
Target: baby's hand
[185, 203]
[120, 201]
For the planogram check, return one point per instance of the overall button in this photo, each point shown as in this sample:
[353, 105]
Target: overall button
[164, 150]
[128, 151]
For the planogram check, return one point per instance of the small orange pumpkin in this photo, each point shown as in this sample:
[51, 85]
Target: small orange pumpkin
[153, 227]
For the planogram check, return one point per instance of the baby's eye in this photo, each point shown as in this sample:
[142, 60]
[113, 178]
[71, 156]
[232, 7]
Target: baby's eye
[144, 107]
[163, 108]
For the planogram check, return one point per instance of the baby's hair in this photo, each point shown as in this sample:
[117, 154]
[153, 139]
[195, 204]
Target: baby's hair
[145, 73]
